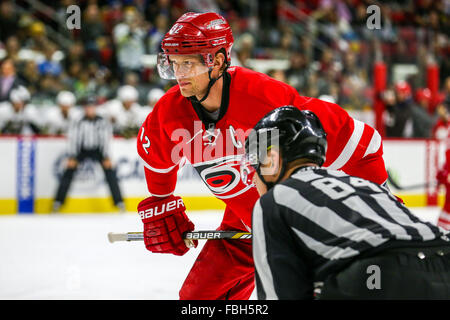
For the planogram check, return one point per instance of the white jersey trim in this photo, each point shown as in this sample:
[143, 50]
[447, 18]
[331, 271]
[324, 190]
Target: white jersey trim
[374, 144]
[161, 195]
[236, 157]
[166, 170]
[350, 147]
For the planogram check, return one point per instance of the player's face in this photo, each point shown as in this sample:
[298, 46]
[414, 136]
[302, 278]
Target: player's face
[127, 104]
[64, 108]
[18, 106]
[191, 74]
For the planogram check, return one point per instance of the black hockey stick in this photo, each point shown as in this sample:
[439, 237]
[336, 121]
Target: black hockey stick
[414, 186]
[193, 235]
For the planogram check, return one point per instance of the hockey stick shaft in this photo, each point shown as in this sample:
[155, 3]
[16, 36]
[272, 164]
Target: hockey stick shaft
[415, 186]
[194, 235]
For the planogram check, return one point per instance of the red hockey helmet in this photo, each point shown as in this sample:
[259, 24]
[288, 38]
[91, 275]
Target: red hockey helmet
[403, 87]
[423, 94]
[193, 34]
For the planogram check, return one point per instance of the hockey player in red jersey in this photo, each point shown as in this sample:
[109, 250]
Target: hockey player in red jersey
[443, 178]
[205, 118]
[443, 175]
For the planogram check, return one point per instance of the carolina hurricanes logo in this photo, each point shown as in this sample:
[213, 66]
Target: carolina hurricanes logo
[223, 178]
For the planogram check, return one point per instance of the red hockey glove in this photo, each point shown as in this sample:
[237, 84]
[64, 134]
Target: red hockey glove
[165, 221]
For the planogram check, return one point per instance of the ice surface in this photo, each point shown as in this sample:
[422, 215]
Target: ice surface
[69, 257]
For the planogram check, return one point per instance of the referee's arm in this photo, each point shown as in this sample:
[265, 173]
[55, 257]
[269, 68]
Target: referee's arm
[280, 271]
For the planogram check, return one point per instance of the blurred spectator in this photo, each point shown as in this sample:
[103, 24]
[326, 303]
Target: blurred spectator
[447, 91]
[92, 30]
[152, 98]
[31, 76]
[441, 128]
[8, 78]
[37, 37]
[12, 48]
[9, 19]
[132, 79]
[298, 71]
[47, 89]
[326, 61]
[50, 65]
[330, 49]
[159, 7]
[201, 6]
[326, 82]
[422, 121]
[312, 89]
[112, 14]
[288, 44]
[398, 107]
[129, 37]
[106, 85]
[244, 46]
[19, 117]
[85, 84]
[125, 114]
[156, 33]
[58, 118]
[75, 53]
[277, 74]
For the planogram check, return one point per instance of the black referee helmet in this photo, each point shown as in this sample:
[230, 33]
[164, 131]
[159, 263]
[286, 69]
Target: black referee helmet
[298, 134]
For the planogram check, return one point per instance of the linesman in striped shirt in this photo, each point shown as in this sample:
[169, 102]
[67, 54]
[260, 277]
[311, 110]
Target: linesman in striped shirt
[323, 234]
[89, 138]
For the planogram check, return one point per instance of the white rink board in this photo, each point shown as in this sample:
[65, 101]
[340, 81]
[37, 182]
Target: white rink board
[8, 168]
[89, 180]
[404, 158]
[407, 162]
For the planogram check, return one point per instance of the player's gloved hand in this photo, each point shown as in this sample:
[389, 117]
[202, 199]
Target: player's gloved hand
[165, 221]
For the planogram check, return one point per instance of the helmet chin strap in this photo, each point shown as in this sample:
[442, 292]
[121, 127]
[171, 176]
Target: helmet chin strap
[270, 185]
[210, 84]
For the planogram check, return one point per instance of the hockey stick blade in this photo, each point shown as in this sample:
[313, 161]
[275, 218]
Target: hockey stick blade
[193, 235]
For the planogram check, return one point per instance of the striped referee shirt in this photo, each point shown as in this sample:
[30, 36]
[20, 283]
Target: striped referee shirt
[317, 221]
[89, 135]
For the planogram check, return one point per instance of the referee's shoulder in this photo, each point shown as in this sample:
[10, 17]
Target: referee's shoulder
[267, 198]
[298, 179]
[101, 119]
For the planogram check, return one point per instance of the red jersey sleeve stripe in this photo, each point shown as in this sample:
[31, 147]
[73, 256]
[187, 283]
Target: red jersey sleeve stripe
[350, 147]
[374, 144]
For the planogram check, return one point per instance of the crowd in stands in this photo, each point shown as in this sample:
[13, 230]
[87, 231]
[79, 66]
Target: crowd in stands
[327, 43]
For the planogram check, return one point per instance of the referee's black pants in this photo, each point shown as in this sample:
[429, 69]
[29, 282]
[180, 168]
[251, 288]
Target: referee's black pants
[406, 273]
[110, 176]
